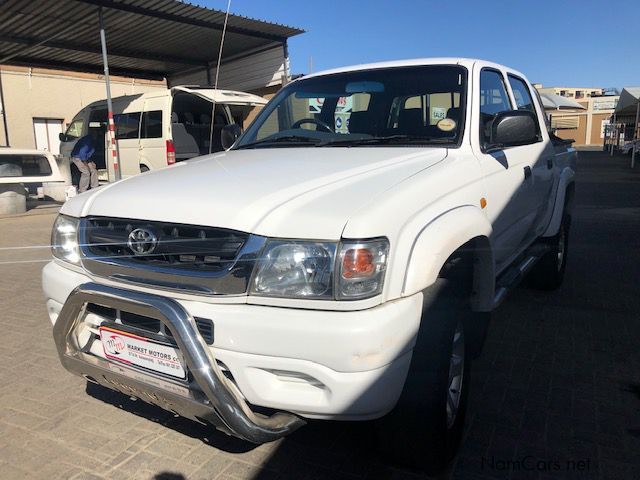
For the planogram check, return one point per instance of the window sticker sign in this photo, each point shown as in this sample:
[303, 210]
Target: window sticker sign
[438, 113]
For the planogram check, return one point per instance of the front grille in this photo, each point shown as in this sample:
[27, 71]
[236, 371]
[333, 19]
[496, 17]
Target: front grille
[148, 324]
[186, 248]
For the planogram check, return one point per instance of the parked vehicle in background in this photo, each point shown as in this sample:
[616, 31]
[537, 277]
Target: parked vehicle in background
[158, 129]
[627, 148]
[22, 170]
[19, 165]
[317, 271]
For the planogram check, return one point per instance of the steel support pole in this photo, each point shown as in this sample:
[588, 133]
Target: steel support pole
[113, 145]
[614, 134]
[635, 135]
[4, 114]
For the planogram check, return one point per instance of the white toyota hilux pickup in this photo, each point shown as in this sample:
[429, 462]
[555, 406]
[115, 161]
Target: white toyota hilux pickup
[339, 261]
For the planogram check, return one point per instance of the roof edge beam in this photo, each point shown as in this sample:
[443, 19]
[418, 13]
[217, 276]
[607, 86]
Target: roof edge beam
[33, 42]
[180, 19]
[86, 67]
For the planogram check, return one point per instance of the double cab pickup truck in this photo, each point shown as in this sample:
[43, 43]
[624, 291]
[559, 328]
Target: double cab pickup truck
[338, 261]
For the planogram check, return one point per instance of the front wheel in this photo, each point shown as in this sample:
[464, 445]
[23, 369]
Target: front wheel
[424, 429]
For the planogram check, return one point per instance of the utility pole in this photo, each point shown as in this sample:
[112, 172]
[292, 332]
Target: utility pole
[113, 146]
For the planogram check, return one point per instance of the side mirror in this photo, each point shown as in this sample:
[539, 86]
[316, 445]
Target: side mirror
[62, 137]
[513, 128]
[229, 135]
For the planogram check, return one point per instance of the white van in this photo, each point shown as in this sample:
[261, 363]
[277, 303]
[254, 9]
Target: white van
[159, 128]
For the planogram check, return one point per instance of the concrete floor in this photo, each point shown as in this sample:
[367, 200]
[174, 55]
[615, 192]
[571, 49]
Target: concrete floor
[556, 393]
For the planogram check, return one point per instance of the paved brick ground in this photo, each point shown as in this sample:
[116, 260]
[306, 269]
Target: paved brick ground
[558, 384]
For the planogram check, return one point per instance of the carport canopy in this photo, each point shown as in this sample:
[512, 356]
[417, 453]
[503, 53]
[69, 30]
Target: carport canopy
[628, 103]
[152, 39]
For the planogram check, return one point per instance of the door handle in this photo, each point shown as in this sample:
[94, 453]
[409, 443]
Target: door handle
[527, 173]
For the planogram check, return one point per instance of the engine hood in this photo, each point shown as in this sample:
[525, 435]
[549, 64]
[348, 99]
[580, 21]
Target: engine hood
[285, 192]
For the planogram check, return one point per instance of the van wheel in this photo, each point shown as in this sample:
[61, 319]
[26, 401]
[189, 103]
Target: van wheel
[548, 273]
[424, 429]
[144, 168]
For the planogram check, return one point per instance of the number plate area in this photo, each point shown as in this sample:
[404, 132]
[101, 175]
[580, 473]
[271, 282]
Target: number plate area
[141, 352]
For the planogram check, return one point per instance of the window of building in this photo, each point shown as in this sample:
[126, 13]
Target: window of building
[579, 94]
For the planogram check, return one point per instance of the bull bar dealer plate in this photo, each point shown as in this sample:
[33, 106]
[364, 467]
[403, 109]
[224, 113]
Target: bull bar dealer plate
[147, 354]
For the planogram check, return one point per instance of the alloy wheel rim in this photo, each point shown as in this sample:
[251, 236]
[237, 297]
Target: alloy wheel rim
[456, 375]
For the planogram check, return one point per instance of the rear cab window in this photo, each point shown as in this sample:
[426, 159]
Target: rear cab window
[17, 165]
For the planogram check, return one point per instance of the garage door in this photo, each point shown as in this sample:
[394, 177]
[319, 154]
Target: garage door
[47, 131]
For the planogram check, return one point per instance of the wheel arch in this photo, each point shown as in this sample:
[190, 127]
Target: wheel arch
[464, 231]
[563, 203]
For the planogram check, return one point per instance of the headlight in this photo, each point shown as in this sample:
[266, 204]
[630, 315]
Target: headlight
[362, 268]
[295, 269]
[64, 239]
[302, 269]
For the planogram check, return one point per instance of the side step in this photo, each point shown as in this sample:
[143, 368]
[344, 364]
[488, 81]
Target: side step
[512, 277]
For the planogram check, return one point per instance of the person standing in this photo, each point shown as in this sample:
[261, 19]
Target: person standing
[81, 156]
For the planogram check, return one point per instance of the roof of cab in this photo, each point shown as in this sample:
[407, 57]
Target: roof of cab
[465, 62]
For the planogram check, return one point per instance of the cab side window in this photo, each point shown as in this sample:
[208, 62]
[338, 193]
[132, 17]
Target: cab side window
[493, 99]
[521, 94]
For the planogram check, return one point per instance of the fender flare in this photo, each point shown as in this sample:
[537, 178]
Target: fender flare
[439, 239]
[565, 182]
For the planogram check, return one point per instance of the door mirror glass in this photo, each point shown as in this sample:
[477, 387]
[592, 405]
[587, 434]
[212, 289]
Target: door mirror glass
[513, 128]
[229, 135]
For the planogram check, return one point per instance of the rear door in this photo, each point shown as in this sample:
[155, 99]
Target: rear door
[539, 157]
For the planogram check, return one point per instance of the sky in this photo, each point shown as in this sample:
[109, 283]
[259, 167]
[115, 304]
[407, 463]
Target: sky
[582, 43]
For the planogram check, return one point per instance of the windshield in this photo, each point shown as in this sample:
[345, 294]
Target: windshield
[400, 106]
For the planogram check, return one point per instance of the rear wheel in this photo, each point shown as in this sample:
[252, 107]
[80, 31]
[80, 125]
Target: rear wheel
[548, 273]
[424, 429]
[144, 168]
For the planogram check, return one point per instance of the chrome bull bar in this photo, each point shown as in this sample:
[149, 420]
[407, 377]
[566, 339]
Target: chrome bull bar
[219, 404]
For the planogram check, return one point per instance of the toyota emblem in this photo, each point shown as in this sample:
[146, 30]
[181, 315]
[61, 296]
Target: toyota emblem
[142, 241]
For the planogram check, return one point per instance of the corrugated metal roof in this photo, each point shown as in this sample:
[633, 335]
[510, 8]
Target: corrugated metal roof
[145, 38]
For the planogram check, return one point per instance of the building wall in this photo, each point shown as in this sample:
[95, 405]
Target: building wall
[579, 134]
[590, 125]
[51, 94]
[597, 130]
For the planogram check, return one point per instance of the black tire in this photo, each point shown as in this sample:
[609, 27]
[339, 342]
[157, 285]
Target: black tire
[548, 273]
[419, 433]
[144, 168]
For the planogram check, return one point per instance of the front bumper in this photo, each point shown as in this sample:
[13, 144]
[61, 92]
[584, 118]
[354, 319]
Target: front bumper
[217, 401]
[338, 365]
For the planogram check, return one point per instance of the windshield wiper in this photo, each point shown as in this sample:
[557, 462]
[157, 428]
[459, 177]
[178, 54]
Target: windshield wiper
[289, 140]
[388, 140]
